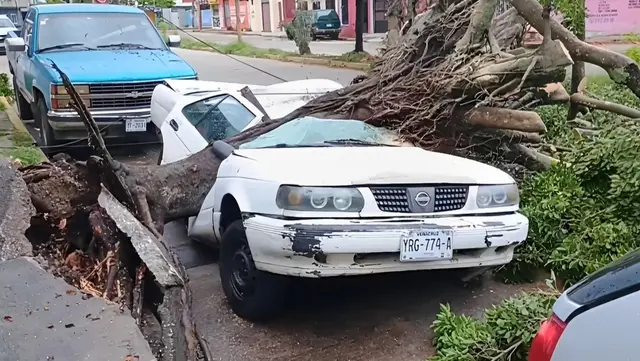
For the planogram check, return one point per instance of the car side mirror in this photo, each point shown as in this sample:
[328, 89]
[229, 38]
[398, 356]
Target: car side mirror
[15, 44]
[174, 41]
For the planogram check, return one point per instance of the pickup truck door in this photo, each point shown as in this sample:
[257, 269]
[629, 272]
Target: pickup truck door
[197, 121]
[23, 69]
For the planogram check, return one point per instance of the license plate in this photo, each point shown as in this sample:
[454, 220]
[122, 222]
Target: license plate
[329, 25]
[135, 125]
[426, 245]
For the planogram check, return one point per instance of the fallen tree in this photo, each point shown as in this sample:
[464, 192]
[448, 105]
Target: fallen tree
[450, 84]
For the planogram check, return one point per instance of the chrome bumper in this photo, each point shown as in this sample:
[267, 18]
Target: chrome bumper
[70, 120]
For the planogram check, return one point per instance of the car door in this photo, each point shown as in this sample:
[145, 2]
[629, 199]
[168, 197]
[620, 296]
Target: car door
[212, 117]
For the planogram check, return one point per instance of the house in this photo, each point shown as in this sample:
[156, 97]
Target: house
[14, 10]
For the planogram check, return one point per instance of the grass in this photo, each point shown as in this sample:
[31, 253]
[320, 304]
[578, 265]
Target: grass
[245, 49]
[23, 149]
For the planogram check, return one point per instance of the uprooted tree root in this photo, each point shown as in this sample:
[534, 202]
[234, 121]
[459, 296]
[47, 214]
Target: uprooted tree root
[76, 239]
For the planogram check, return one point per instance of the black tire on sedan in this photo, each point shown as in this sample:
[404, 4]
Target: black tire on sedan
[254, 295]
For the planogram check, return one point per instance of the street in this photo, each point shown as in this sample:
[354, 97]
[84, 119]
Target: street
[372, 318]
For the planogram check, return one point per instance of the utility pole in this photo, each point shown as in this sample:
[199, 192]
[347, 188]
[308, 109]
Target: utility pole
[238, 30]
[199, 15]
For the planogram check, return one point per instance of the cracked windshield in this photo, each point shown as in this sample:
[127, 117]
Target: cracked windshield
[319, 180]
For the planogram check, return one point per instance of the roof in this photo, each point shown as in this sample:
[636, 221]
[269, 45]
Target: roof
[85, 8]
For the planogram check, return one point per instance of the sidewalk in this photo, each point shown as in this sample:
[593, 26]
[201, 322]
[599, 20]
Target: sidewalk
[43, 318]
[372, 38]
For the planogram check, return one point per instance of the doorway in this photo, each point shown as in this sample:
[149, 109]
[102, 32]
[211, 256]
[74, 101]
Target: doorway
[266, 16]
[380, 22]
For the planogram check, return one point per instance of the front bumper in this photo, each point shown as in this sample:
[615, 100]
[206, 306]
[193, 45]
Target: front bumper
[67, 125]
[326, 32]
[345, 247]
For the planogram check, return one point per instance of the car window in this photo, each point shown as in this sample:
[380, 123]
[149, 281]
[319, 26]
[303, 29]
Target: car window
[6, 23]
[327, 15]
[98, 30]
[218, 117]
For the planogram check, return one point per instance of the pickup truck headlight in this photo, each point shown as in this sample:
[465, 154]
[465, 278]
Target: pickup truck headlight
[503, 195]
[61, 90]
[319, 199]
[60, 99]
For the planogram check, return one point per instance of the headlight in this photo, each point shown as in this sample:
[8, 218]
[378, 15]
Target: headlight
[498, 196]
[81, 89]
[319, 199]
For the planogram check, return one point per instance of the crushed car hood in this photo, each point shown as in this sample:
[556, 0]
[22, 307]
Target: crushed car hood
[360, 165]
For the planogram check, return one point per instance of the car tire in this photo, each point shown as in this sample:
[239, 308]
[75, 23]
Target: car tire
[46, 132]
[253, 295]
[314, 37]
[24, 108]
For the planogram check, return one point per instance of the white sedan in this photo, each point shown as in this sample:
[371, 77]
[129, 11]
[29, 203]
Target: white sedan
[325, 197]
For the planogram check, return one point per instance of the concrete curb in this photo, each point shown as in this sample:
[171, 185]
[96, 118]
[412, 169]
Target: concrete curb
[329, 63]
[14, 118]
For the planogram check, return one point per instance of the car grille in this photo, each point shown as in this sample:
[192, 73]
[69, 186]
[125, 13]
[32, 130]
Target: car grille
[396, 199]
[122, 95]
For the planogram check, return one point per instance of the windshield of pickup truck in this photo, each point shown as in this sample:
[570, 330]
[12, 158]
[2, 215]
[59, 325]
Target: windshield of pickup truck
[97, 31]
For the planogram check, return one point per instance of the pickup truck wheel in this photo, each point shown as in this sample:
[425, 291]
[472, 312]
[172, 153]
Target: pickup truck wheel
[252, 294]
[46, 133]
[24, 108]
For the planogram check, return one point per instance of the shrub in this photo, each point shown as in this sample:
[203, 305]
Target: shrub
[583, 213]
[506, 333]
[634, 53]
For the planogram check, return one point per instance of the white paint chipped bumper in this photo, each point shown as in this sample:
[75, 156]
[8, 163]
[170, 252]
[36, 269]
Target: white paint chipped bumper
[343, 247]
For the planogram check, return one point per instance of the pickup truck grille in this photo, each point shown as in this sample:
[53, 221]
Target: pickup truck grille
[122, 95]
[444, 198]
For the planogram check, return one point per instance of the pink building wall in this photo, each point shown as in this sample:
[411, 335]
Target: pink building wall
[613, 17]
[349, 30]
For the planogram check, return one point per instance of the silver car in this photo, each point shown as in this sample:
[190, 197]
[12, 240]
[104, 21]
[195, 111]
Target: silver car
[597, 319]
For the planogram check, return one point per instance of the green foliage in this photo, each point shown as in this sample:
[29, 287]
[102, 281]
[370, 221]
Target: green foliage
[634, 53]
[631, 38]
[6, 90]
[165, 4]
[506, 333]
[574, 12]
[583, 213]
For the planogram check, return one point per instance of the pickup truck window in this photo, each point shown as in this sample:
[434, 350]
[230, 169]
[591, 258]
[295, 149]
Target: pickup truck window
[94, 31]
[218, 117]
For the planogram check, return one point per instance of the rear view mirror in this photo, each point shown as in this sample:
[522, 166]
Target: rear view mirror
[15, 44]
[174, 41]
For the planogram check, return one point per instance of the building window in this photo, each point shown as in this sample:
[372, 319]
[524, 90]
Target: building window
[316, 5]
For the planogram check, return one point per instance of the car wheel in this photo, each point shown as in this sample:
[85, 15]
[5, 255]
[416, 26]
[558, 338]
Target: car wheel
[314, 37]
[24, 108]
[46, 133]
[253, 295]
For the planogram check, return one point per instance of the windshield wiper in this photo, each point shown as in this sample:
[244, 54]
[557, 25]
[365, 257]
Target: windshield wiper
[284, 145]
[355, 142]
[124, 45]
[64, 46]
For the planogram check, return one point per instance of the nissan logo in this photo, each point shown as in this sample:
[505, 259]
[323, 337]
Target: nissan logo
[422, 199]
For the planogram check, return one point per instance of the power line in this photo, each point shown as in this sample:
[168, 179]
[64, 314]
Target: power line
[219, 52]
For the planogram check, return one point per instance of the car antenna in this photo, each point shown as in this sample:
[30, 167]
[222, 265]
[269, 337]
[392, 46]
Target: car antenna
[219, 52]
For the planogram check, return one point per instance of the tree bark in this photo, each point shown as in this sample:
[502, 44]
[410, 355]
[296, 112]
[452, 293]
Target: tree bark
[620, 68]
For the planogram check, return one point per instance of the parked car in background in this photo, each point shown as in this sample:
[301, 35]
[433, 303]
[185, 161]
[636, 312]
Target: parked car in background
[331, 197]
[113, 55]
[596, 319]
[6, 25]
[324, 23]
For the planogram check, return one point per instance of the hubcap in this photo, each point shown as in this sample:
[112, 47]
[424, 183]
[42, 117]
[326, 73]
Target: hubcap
[242, 272]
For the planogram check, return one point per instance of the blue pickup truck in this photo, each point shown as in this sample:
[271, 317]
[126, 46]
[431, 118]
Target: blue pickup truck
[113, 55]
